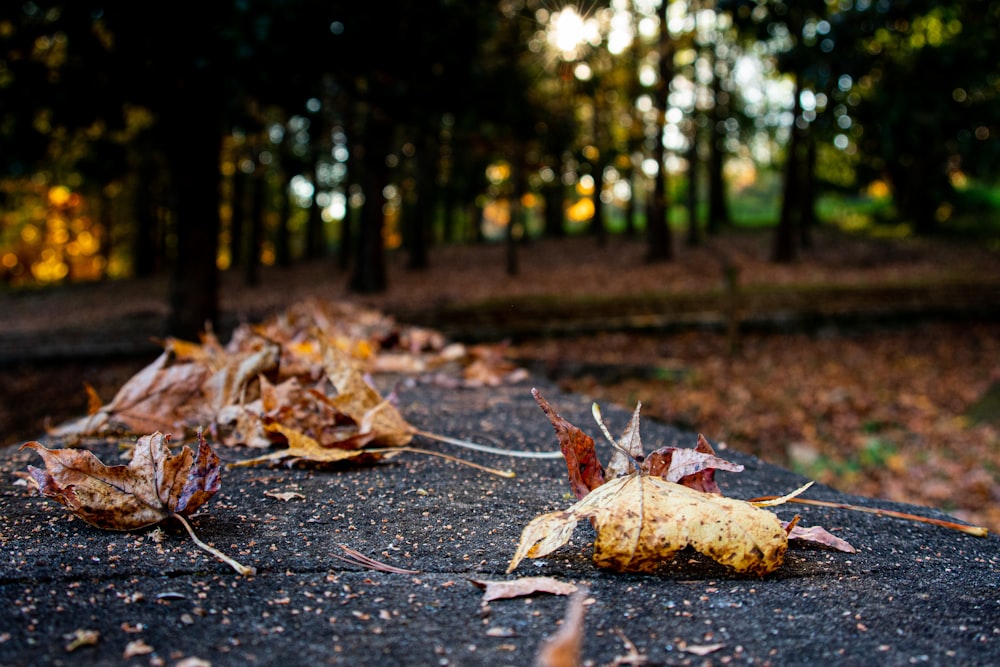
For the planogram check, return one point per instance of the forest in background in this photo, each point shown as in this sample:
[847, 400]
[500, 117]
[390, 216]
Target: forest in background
[191, 138]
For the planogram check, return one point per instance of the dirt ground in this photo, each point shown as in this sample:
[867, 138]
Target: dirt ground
[881, 411]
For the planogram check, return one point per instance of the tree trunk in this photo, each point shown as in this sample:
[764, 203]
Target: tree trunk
[718, 208]
[146, 252]
[785, 233]
[345, 243]
[598, 223]
[555, 202]
[369, 274]
[919, 186]
[694, 233]
[657, 226]
[630, 208]
[421, 208]
[658, 208]
[283, 233]
[237, 220]
[807, 198]
[515, 226]
[315, 227]
[193, 142]
[255, 231]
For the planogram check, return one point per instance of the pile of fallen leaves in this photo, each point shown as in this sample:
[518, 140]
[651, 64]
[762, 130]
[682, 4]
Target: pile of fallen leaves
[297, 380]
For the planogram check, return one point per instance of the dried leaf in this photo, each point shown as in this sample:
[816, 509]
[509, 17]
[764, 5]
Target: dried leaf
[628, 449]
[585, 471]
[136, 647]
[306, 448]
[375, 416]
[149, 401]
[284, 496]
[563, 649]
[694, 468]
[82, 637]
[500, 590]
[654, 506]
[700, 649]
[820, 535]
[153, 486]
[643, 521]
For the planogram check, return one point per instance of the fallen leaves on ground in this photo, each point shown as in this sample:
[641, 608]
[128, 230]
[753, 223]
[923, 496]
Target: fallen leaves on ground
[154, 486]
[299, 380]
[655, 506]
[515, 588]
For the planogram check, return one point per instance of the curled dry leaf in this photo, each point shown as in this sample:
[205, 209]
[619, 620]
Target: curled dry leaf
[652, 507]
[585, 470]
[154, 486]
[302, 447]
[500, 590]
[643, 521]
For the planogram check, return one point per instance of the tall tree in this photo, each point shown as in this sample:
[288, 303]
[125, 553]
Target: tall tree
[368, 274]
[660, 241]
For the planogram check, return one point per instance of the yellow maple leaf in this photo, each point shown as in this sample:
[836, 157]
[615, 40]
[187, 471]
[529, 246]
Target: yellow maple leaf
[643, 521]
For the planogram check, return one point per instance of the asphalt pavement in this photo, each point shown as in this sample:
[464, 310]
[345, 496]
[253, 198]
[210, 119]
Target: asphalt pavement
[71, 594]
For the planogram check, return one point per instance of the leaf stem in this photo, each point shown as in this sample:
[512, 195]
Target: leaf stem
[519, 453]
[976, 531]
[447, 457]
[357, 558]
[242, 569]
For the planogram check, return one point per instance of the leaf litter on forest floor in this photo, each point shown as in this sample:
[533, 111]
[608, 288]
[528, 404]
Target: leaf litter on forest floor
[656, 505]
[156, 485]
[298, 380]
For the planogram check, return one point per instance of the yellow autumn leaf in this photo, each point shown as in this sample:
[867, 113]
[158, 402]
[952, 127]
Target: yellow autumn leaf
[642, 521]
[302, 446]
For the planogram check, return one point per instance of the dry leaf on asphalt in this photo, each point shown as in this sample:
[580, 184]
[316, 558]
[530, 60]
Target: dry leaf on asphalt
[154, 486]
[564, 648]
[500, 590]
[302, 447]
[655, 506]
[643, 521]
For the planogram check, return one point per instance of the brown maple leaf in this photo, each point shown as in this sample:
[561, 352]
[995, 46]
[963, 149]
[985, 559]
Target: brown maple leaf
[585, 470]
[154, 486]
[378, 420]
[149, 401]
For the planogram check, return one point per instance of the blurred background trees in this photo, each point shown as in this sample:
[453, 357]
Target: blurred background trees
[191, 138]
